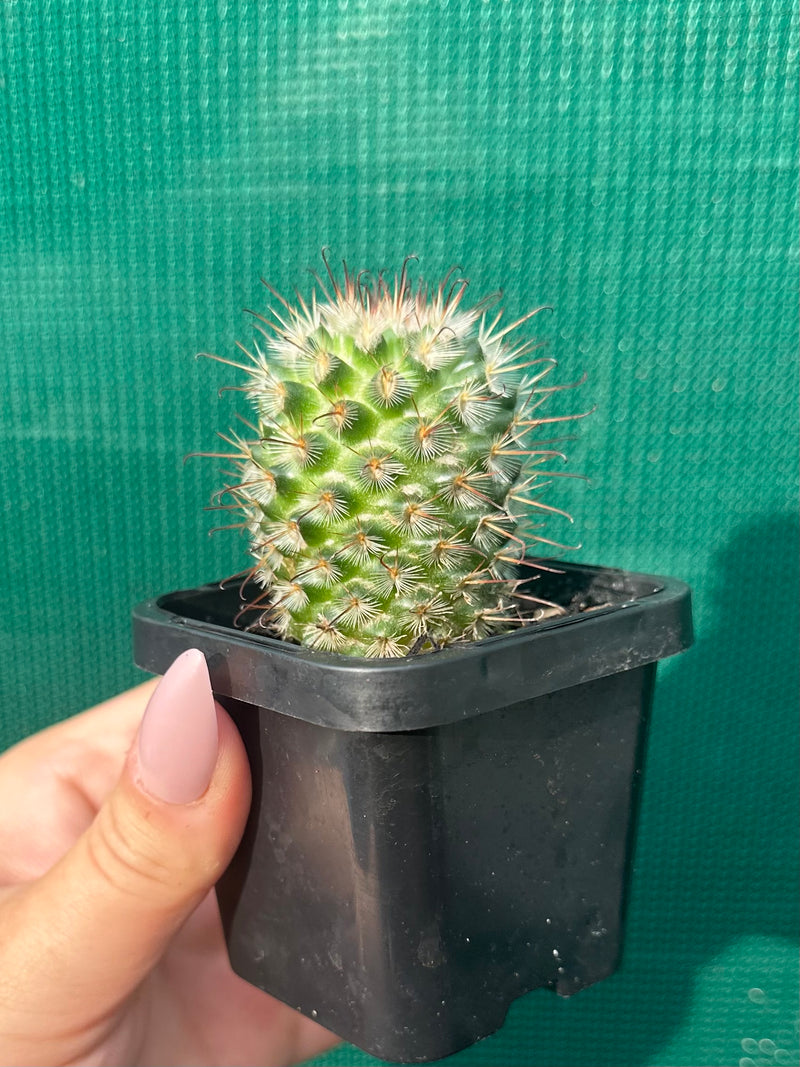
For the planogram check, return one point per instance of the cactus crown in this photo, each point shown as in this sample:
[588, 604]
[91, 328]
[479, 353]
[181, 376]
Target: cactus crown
[389, 489]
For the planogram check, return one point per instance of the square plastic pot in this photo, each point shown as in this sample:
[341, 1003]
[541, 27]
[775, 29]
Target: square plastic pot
[432, 837]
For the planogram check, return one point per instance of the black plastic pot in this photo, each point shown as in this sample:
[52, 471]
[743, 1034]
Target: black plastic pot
[430, 838]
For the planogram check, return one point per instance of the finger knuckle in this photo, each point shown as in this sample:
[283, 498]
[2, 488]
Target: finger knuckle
[127, 855]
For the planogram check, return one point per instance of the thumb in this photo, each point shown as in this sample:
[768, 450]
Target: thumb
[80, 939]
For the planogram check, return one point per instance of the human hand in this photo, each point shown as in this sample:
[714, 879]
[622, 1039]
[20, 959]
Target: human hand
[111, 837]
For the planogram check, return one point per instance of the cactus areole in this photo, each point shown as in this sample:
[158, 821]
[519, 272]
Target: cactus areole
[390, 481]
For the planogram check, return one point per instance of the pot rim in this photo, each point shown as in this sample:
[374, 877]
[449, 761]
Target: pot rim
[650, 620]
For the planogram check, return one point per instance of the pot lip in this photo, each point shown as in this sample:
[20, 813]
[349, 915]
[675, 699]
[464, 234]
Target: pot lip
[652, 620]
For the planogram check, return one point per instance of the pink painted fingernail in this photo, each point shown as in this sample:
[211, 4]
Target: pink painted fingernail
[178, 736]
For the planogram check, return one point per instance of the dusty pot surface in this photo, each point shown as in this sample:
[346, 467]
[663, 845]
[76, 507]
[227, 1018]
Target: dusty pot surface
[432, 837]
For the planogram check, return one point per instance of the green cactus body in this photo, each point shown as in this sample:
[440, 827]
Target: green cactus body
[388, 482]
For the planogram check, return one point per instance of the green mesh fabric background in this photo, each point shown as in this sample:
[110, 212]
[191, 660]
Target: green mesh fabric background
[631, 162]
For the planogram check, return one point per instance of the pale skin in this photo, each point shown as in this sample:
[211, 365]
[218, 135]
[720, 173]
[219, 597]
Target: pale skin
[108, 954]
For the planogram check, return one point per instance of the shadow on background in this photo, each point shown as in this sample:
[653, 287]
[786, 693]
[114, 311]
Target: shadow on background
[717, 854]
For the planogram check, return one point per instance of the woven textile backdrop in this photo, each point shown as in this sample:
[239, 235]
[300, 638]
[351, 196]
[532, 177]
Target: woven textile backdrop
[631, 162]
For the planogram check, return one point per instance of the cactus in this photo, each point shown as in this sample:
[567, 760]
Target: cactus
[389, 488]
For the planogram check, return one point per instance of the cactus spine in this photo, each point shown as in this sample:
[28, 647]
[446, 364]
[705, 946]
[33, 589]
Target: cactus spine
[389, 485]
